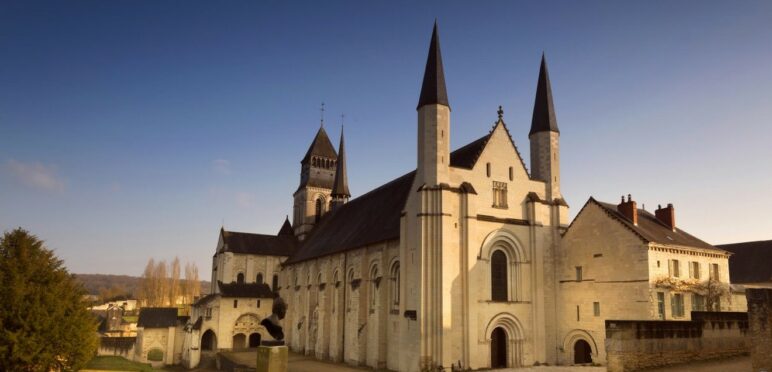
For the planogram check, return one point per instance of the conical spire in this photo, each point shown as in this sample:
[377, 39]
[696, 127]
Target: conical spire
[543, 110]
[286, 228]
[433, 89]
[340, 186]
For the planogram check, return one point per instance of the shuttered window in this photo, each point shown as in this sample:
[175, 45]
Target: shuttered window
[499, 276]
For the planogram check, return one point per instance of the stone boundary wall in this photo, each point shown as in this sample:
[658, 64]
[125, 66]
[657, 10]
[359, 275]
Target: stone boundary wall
[760, 325]
[118, 346]
[638, 344]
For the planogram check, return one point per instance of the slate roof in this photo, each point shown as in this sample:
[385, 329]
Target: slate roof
[321, 146]
[433, 89]
[340, 186]
[355, 224]
[466, 157]
[751, 262]
[286, 228]
[157, 317]
[543, 119]
[650, 229]
[250, 290]
[269, 245]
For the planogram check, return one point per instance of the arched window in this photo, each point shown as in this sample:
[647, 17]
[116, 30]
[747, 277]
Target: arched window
[259, 278]
[275, 284]
[240, 278]
[335, 293]
[395, 286]
[499, 286]
[374, 284]
[319, 206]
[351, 282]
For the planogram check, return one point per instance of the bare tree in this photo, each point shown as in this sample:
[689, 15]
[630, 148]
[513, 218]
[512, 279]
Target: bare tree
[161, 283]
[147, 288]
[174, 285]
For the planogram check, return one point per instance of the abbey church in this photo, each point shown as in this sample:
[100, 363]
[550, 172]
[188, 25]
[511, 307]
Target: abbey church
[466, 261]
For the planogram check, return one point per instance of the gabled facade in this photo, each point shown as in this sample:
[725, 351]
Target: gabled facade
[448, 265]
[620, 262]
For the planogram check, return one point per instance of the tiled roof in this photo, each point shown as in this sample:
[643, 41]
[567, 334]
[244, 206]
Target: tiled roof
[157, 317]
[371, 218]
[269, 245]
[250, 290]
[751, 262]
[650, 229]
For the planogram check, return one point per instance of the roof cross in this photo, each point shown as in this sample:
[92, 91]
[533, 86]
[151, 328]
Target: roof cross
[321, 110]
[500, 112]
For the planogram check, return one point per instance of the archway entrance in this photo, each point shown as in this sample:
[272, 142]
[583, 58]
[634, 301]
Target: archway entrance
[582, 352]
[498, 348]
[239, 341]
[254, 340]
[209, 340]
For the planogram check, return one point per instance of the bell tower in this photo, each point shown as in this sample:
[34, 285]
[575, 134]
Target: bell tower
[317, 176]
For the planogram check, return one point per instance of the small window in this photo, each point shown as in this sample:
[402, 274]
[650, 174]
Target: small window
[488, 169]
[275, 283]
[259, 278]
[698, 302]
[714, 272]
[694, 270]
[319, 206]
[578, 273]
[240, 278]
[661, 305]
[511, 174]
[675, 268]
[258, 303]
[235, 303]
[499, 194]
[657, 263]
[677, 305]
[395, 286]
[577, 313]
[596, 308]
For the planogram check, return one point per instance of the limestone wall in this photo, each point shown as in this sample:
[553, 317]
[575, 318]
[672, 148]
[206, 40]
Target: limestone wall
[118, 346]
[636, 344]
[760, 327]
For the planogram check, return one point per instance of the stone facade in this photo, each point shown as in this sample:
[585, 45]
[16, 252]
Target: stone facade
[608, 272]
[635, 345]
[760, 325]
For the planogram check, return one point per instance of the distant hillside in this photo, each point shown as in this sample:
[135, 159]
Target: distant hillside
[96, 283]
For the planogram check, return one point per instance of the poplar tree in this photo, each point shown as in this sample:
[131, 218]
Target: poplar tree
[44, 323]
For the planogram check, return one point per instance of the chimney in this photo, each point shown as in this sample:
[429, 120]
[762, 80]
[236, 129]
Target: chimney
[628, 209]
[666, 215]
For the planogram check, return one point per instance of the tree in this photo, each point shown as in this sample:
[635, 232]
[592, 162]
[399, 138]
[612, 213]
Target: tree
[174, 285]
[162, 285]
[44, 324]
[147, 289]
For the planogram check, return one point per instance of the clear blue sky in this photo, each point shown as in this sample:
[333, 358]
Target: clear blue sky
[134, 129]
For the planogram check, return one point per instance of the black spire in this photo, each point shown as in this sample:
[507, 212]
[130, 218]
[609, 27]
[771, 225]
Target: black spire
[340, 186]
[433, 88]
[543, 110]
[286, 228]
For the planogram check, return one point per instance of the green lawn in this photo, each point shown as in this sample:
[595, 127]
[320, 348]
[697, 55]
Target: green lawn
[116, 363]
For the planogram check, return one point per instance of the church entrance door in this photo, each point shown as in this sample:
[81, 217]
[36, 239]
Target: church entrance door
[582, 352]
[498, 348]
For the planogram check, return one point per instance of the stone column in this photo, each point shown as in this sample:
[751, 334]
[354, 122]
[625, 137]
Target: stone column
[760, 327]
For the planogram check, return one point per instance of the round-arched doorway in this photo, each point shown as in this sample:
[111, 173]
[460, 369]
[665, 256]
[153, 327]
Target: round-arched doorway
[254, 340]
[209, 341]
[498, 348]
[239, 341]
[582, 352]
